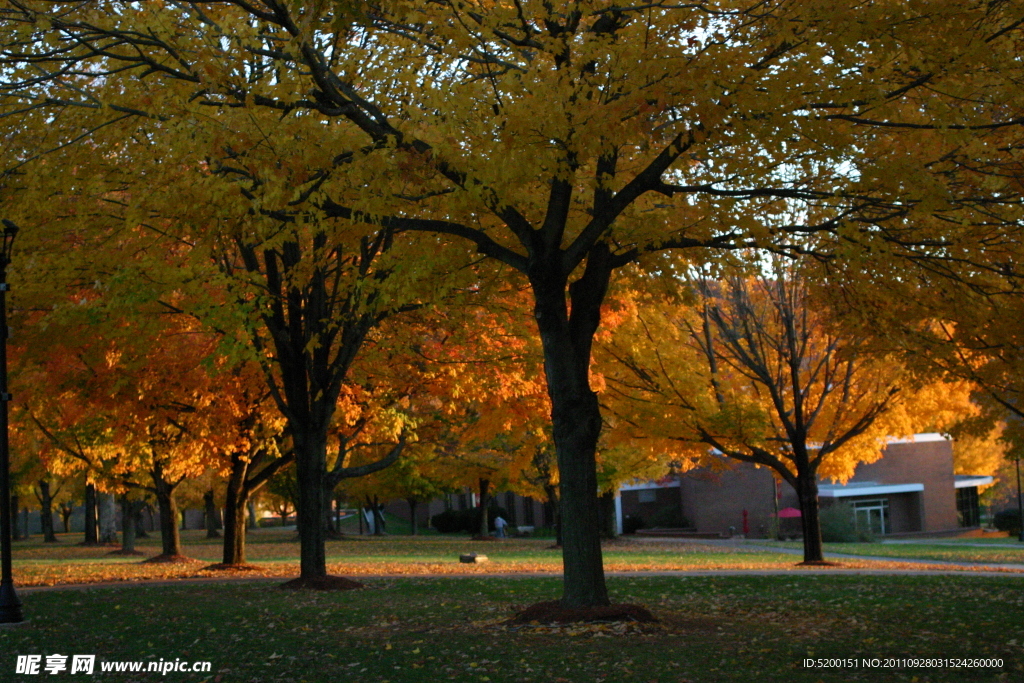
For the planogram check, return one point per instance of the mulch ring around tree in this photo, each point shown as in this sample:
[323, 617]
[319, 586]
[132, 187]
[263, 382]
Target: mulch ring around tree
[169, 559]
[322, 583]
[221, 567]
[552, 617]
[818, 563]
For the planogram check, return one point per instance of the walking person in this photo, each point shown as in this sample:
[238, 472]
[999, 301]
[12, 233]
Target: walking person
[499, 526]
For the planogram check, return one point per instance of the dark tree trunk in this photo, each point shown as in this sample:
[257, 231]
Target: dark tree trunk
[91, 537]
[310, 473]
[380, 527]
[575, 414]
[170, 538]
[413, 503]
[127, 525]
[66, 510]
[212, 515]
[140, 524]
[485, 487]
[608, 526]
[556, 512]
[234, 529]
[46, 511]
[242, 485]
[27, 534]
[235, 499]
[810, 521]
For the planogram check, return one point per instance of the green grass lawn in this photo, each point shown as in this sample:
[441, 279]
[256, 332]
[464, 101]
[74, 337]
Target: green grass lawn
[276, 552]
[942, 551]
[739, 628]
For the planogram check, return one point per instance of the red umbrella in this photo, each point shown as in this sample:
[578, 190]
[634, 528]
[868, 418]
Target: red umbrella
[786, 513]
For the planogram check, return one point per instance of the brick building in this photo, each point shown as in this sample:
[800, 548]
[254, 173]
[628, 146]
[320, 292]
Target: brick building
[911, 489]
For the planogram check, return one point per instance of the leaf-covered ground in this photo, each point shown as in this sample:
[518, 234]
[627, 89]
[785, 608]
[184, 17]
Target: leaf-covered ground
[398, 630]
[275, 554]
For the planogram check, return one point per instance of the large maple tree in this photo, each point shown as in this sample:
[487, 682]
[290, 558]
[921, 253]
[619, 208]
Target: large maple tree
[759, 370]
[565, 140]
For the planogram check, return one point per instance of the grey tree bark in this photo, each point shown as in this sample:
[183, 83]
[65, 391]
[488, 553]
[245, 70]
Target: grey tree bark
[108, 520]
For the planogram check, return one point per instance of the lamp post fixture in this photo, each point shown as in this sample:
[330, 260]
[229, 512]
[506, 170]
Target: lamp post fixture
[10, 606]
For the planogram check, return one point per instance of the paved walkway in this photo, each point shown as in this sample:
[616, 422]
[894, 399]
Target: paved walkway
[956, 544]
[1016, 567]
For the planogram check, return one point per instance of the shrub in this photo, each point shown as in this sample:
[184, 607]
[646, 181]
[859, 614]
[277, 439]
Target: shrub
[1007, 520]
[630, 524]
[838, 524]
[465, 521]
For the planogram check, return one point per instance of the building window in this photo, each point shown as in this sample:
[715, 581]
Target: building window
[646, 496]
[872, 515]
[967, 510]
[527, 511]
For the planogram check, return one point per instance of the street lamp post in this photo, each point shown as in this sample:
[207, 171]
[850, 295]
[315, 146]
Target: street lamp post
[10, 606]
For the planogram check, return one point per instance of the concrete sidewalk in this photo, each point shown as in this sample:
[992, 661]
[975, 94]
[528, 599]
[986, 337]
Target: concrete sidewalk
[754, 546]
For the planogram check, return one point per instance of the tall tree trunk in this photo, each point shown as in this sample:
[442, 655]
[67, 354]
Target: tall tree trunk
[108, 520]
[412, 515]
[567, 340]
[235, 498]
[90, 515]
[127, 525]
[170, 538]
[485, 488]
[211, 514]
[807, 493]
[234, 529]
[310, 472]
[46, 511]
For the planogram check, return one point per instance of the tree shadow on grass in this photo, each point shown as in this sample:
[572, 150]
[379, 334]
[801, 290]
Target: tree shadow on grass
[322, 583]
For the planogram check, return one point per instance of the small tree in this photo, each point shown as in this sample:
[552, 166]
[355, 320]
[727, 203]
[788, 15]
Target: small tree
[755, 370]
